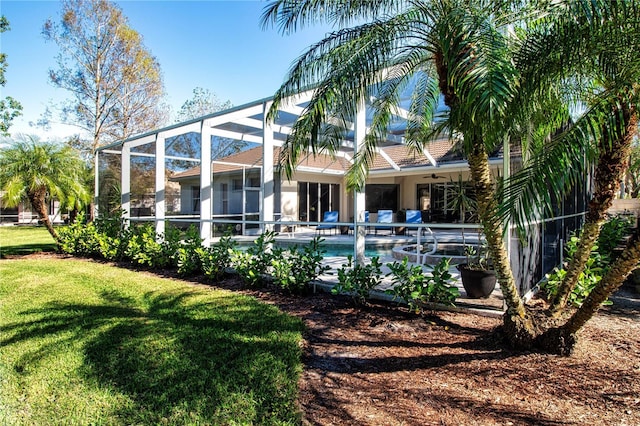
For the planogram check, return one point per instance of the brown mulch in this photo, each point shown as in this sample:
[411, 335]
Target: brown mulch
[381, 365]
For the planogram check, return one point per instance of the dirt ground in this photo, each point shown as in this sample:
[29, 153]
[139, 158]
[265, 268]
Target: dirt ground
[383, 366]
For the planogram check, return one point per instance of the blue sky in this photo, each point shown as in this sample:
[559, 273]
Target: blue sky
[217, 45]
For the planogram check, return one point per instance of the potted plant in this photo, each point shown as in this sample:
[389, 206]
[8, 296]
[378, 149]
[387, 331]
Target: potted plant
[478, 279]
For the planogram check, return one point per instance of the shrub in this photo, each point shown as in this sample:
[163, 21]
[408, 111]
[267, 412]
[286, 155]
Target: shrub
[587, 280]
[610, 236]
[216, 259]
[113, 235]
[189, 256]
[416, 288]
[295, 269]
[255, 264]
[358, 280]
[80, 238]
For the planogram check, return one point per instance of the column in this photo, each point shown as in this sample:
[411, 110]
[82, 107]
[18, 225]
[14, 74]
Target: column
[125, 182]
[205, 183]
[267, 170]
[96, 185]
[160, 192]
[360, 232]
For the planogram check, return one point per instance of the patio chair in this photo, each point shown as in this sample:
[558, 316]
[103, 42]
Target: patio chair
[327, 220]
[290, 227]
[413, 217]
[384, 216]
[366, 219]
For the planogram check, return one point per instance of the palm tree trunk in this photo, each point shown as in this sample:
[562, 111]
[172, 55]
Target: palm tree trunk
[562, 340]
[611, 168]
[612, 280]
[37, 200]
[518, 326]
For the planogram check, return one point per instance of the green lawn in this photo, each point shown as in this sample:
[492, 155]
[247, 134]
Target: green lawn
[88, 343]
[24, 240]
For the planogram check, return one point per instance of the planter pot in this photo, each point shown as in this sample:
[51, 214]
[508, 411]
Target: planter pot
[478, 283]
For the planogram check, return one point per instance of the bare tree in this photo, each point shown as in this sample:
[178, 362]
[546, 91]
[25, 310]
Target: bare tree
[205, 102]
[115, 82]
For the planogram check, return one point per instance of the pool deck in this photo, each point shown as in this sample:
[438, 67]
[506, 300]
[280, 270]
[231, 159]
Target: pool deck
[493, 305]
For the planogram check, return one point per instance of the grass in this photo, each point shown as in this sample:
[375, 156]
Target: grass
[88, 343]
[20, 240]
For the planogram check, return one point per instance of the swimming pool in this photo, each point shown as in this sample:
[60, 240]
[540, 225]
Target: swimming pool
[344, 250]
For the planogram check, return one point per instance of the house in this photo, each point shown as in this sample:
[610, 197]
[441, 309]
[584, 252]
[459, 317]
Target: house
[399, 180]
[24, 215]
[247, 188]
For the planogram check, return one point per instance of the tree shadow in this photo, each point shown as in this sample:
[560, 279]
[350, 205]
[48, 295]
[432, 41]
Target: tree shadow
[177, 355]
[25, 249]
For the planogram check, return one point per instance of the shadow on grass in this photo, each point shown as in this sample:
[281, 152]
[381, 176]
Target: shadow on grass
[178, 357]
[24, 249]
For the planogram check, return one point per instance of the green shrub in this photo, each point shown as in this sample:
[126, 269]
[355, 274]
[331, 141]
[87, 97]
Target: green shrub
[358, 280]
[254, 265]
[295, 269]
[416, 288]
[216, 259]
[142, 247]
[593, 272]
[80, 238]
[610, 236]
[113, 236]
[190, 253]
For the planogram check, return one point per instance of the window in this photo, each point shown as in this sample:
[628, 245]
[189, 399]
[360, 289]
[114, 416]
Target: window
[236, 184]
[316, 198]
[253, 182]
[195, 199]
[381, 197]
[225, 198]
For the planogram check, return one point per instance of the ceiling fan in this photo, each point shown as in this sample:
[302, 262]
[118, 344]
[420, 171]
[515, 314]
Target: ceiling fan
[434, 176]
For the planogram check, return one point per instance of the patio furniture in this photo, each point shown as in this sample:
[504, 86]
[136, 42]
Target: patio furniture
[327, 220]
[290, 227]
[384, 216]
[413, 217]
[366, 219]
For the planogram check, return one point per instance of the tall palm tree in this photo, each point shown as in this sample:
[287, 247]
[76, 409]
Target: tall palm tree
[611, 98]
[613, 74]
[458, 48]
[39, 171]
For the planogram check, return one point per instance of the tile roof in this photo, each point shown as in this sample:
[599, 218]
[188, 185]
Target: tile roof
[253, 158]
[442, 150]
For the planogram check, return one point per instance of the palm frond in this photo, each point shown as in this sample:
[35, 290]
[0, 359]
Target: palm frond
[291, 15]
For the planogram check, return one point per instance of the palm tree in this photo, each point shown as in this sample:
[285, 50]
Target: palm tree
[39, 171]
[458, 48]
[610, 120]
[455, 47]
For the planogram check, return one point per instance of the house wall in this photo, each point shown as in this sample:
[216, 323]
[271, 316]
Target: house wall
[22, 214]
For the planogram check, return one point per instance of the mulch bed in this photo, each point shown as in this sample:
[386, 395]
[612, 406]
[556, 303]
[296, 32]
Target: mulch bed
[380, 365]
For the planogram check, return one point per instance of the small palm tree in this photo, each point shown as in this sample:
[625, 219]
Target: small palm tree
[35, 170]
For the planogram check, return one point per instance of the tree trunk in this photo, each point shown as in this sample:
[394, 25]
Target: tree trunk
[611, 168]
[37, 200]
[518, 325]
[562, 339]
[613, 279]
